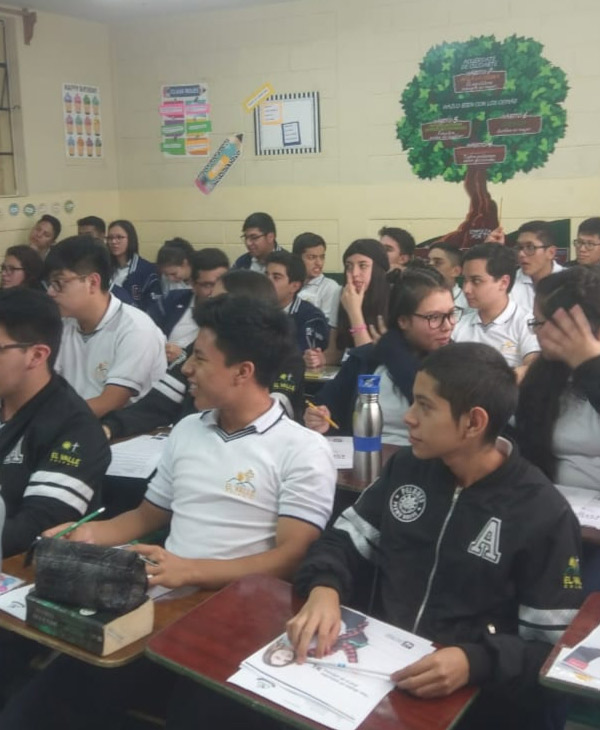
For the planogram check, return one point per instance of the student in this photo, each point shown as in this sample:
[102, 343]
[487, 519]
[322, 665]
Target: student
[587, 243]
[44, 234]
[536, 249]
[364, 299]
[422, 317]
[558, 419]
[174, 264]
[471, 544]
[447, 259]
[22, 266]
[399, 246]
[258, 233]
[489, 273]
[169, 400]
[92, 225]
[287, 274]
[318, 289]
[110, 352]
[173, 313]
[129, 270]
[53, 454]
[258, 505]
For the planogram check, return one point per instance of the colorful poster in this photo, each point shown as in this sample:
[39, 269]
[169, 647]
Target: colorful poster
[185, 124]
[82, 121]
[219, 164]
[480, 111]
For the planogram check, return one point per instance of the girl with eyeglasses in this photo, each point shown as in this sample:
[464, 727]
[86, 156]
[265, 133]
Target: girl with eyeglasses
[22, 266]
[421, 318]
[558, 416]
[130, 271]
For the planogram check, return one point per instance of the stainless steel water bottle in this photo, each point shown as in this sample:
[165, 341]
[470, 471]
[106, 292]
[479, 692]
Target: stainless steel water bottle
[367, 423]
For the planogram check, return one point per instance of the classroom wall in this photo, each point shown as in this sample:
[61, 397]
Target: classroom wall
[359, 56]
[63, 50]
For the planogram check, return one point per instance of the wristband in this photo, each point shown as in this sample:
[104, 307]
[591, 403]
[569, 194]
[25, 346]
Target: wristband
[358, 328]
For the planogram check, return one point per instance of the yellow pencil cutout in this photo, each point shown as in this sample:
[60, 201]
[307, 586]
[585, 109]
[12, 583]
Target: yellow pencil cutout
[331, 422]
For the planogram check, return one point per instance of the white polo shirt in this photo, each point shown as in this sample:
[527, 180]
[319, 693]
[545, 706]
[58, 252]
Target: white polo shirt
[227, 491]
[576, 442]
[126, 348]
[325, 294]
[186, 330]
[393, 409]
[508, 333]
[523, 291]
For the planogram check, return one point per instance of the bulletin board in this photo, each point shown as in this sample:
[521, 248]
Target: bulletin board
[288, 124]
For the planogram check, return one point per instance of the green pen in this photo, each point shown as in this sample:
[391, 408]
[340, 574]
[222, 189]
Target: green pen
[80, 522]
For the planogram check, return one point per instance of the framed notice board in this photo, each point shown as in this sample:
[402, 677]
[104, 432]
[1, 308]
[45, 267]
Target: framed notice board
[288, 124]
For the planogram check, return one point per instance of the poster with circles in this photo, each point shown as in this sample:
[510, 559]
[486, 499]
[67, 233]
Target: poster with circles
[82, 121]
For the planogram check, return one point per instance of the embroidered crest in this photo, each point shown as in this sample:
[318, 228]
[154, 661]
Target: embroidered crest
[572, 574]
[487, 544]
[241, 484]
[408, 503]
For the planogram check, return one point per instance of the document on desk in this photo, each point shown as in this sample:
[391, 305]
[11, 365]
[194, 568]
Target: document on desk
[585, 503]
[341, 689]
[584, 658]
[13, 602]
[343, 451]
[136, 458]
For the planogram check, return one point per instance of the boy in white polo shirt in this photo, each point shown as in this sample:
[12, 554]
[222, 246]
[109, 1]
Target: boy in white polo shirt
[489, 273]
[110, 352]
[536, 249]
[242, 488]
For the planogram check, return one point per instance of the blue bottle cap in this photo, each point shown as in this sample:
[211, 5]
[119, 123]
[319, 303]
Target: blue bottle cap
[368, 384]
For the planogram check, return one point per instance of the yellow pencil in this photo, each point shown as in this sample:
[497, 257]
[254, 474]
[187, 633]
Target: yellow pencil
[332, 423]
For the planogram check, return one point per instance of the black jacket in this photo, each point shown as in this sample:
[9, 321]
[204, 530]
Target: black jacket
[53, 456]
[493, 568]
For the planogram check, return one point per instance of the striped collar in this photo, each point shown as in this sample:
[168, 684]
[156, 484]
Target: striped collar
[260, 425]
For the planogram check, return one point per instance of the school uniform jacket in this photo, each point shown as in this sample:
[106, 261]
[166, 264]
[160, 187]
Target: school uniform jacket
[142, 282]
[493, 569]
[310, 325]
[53, 455]
[169, 309]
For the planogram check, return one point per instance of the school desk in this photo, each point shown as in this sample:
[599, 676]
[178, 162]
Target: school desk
[165, 612]
[587, 619]
[210, 642]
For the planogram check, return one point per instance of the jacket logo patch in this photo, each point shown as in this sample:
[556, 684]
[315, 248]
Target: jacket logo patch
[572, 574]
[487, 544]
[408, 503]
[15, 456]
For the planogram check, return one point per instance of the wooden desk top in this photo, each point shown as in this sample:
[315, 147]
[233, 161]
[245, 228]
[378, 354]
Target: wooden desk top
[165, 612]
[586, 620]
[210, 642]
[347, 480]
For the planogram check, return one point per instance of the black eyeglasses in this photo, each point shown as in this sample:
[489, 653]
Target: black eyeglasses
[534, 324]
[436, 319]
[251, 239]
[16, 346]
[6, 269]
[529, 248]
[587, 245]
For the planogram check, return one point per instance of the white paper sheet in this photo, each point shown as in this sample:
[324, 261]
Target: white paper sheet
[585, 503]
[137, 457]
[564, 673]
[343, 451]
[339, 697]
[13, 602]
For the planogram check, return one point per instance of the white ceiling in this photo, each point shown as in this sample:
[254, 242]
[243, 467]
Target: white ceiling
[112, 10]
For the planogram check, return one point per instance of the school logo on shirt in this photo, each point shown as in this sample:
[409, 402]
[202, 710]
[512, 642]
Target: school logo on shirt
[508, 346]
[67, 454]
[101, 371]
[241, 485]
[408, 503]
[15, 456]
[572, 574]
[487, 544]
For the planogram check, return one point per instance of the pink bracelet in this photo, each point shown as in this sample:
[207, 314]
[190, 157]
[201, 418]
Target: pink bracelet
[359, 328]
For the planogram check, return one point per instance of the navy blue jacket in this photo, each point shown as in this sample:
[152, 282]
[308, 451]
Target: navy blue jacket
[310, 324]
[142, 282]
[245, 260]
[392, 351]
[168, 310]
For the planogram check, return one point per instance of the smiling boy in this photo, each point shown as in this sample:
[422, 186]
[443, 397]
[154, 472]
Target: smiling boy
[471, 544]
